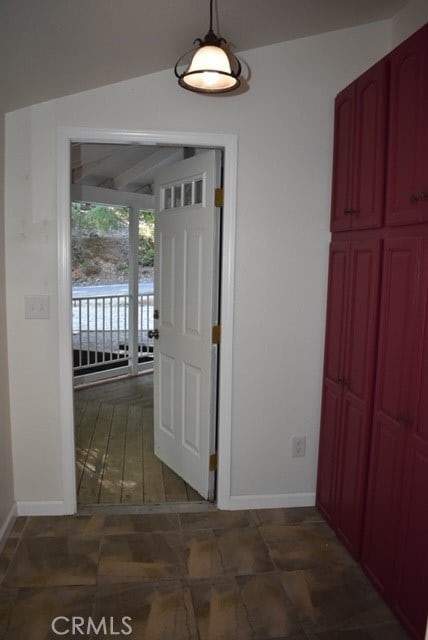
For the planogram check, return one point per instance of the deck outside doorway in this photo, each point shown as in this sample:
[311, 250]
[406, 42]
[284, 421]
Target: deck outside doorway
[115, 460]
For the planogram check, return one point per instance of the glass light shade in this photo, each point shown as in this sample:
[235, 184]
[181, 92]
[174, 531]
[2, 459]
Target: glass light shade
[210, 70]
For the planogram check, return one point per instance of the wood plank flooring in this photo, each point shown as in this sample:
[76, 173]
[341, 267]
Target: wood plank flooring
[115, 461]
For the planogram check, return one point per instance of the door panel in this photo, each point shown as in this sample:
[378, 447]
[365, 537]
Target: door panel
[411, 594]
[406, 118]
[193, 280]
[358, 391]
[192, 379]
[167, 385]
[186, 271]
[336, 310]
[334, 363]
[330, 420]
[371, 130]
[363, 316]
[423, 136]
[383, 503]
[167, 257]
[394, 390]
[352, 466]
[342, 159]
[392, 404]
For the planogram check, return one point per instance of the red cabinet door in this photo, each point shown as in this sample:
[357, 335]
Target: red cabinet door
[334, 361]
[393, 402]
[359, 152]
[411, 596]
[423, 153]
[407, 123]
[370, 148]
[355, 425]
[343, 153]
[348, 383]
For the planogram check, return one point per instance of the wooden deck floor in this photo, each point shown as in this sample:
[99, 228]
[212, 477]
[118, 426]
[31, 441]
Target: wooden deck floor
[115, 462]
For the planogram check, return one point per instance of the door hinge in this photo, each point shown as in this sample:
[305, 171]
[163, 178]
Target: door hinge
[213, 462]
[219, 197]
[216, 334]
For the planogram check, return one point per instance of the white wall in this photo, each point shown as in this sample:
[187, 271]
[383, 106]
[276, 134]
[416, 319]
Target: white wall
[6, 473]
[408, 20]
[284, 123]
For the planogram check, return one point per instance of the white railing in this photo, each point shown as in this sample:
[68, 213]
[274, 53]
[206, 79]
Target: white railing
[101, 331]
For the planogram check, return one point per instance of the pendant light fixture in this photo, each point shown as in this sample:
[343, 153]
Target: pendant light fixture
[212, 68]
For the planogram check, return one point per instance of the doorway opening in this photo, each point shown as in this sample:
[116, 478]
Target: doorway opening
[66, 137]
[113, 293]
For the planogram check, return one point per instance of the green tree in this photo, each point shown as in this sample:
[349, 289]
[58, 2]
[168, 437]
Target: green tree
[146, 253]
[87, 218]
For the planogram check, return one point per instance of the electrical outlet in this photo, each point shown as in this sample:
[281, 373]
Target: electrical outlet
[298, 447]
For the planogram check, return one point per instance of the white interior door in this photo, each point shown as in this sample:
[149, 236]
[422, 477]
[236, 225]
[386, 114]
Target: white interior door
[186, 300]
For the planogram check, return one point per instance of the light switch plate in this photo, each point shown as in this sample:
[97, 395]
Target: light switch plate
[37, 308]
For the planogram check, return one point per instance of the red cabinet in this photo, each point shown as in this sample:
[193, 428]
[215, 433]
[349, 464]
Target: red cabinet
[395, 549]
[372, 483]
[348, 382]
[359, 152]
[407, 174]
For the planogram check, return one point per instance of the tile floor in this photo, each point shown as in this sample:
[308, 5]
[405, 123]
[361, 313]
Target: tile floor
[209, 576]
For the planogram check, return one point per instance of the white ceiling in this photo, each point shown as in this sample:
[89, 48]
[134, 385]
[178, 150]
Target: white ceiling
[50, 48]
[109, 173]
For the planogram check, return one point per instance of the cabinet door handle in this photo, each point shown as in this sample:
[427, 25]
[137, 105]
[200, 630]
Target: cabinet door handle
[424, 195]
[415, 197]
[404, 420]
[342, 381]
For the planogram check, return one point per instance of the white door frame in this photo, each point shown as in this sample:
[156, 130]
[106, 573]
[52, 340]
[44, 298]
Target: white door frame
[229, 144]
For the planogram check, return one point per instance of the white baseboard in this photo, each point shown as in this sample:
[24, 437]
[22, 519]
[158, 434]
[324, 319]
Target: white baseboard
[7, 525]
[276, 501]
[48, 508]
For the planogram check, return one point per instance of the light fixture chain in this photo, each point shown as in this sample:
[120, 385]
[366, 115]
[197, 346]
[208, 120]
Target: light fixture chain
[211, 15]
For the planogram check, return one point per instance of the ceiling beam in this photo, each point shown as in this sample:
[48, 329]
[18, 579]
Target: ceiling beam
[144, 170]
[111, 197]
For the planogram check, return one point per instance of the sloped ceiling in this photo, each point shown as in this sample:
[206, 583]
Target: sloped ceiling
[51, 48]
[109, 173]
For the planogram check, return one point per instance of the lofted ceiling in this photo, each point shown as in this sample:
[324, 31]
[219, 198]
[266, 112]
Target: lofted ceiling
[118, 174]
[122, 167]
[52, 48]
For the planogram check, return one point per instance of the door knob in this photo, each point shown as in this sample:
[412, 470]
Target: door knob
[153, 333]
